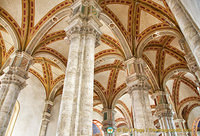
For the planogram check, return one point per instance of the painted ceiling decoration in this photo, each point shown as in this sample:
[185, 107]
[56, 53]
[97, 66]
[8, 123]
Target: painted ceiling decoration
[148, 27]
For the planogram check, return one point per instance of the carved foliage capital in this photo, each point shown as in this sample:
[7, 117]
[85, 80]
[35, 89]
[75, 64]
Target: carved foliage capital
[9, 78]
[85, 18]
[47, 111]
[139, 84]
[17, 71]
[163, 110]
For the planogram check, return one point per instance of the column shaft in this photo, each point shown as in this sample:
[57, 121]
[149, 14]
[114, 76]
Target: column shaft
[14, 80]
[141, 112]
[46, 118]
[138, 90]
[108, 121]
[76, 105]
[77, 101]
[65, 116]
[7, 107]
[165, 114]
[86, 107]
[189, 31]
[3, 89]
[3, 92]
[190, 59]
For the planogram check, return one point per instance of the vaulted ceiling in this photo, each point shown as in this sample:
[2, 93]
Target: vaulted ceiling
[148, 28]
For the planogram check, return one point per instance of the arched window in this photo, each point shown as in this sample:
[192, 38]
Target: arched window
[13, 119]
[196, 127]
[96, 126]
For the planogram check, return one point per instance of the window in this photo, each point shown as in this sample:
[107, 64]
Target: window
[13, 119]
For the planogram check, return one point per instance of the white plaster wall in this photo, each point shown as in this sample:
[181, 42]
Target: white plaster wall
[31, 100]
[51, 130]
[194, 114]
[97, 116]
[193, 7]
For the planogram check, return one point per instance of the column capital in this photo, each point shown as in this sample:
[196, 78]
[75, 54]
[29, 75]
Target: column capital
[85, 19]
[20, 61]
[164, 110]
[179, 120]
[47, 110]
[139, 85]
[183, 44]
[136, 78]
[17, 71]
[135, 66]
[108, 119]
[159, 93]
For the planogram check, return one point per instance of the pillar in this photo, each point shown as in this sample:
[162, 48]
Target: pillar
[164, 113]
[86, 99]
[12, 82]
[108, 121]
[189, 31]
[191, 62]
[77, 99]
[138, 90]
[46, 117]
[190, 59]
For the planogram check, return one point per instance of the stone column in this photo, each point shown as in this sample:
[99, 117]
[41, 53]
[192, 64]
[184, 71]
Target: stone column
[138, 90]
[194, 68]
[191, 61]
[66, 108]
[3, 92]
[86, 101]
[77, 100]
[46, 117]
[191, 34]
[180, 126]
[12, 82]
[164, 113]
[108, 120]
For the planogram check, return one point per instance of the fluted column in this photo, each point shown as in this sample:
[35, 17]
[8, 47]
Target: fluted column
[186, 25]
[46, 117]
[77, 100]
[138, 90]
[108, 120]
[12, 82]
[180, 127]
[164, 113]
